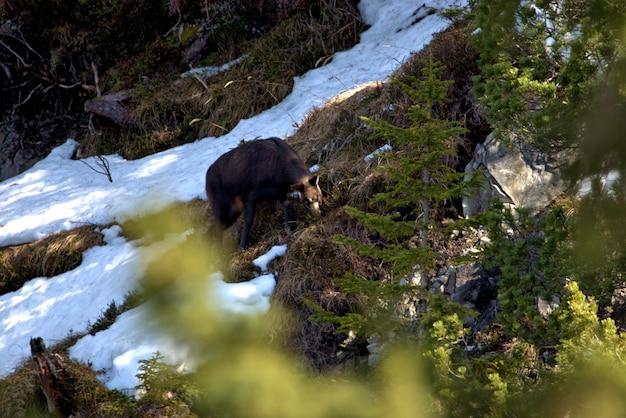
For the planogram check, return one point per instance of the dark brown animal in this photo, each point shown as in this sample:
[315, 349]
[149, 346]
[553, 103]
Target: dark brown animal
[257, 171]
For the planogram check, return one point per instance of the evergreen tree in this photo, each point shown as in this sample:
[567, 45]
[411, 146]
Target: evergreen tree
[532, 255]
[541, 62]
[421, 180]
[599, 247]
[554, 72]
[421, 177]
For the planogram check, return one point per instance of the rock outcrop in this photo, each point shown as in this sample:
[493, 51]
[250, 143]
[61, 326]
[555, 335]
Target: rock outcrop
[519, 174]
[25, 142]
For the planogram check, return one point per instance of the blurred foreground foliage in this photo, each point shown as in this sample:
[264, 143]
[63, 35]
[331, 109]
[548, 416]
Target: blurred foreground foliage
[241, 370]
[569, 362]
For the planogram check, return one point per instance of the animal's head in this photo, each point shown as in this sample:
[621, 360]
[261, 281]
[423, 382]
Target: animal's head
[310, 192]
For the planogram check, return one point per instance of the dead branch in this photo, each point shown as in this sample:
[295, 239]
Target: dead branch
[96, 79]
[19, 58]
[7, 31]
[103, 165]
[111, 107]
[54, 380]
[15, 106]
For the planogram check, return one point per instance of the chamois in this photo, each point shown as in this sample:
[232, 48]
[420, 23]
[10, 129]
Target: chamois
[257, 171]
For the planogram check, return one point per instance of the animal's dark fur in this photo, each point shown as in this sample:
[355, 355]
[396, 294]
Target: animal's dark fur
[256, 171]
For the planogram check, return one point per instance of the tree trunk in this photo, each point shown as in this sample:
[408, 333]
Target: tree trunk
[53, 378]
[111, 106]
[424, 232]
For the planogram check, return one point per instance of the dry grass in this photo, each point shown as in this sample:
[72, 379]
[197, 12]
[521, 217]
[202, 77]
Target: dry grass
[265, 78]
[333, 136]
[336, 138]
[268, 230]
[20, 395]
[171, 113]
[453, 48]
[308, 270]
[48, 257]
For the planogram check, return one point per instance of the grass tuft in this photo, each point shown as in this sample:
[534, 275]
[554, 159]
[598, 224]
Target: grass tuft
[47, 257]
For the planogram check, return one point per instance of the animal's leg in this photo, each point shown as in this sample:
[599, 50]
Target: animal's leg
[285, 205]
[216, 233]
[248, 217]
[217, 225]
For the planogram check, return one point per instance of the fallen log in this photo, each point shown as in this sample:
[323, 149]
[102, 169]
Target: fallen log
[111, 106]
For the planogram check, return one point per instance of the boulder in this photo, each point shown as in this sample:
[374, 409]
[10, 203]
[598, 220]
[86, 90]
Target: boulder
[25, 142]
[14, 158]
[519, 174]
[470, 285]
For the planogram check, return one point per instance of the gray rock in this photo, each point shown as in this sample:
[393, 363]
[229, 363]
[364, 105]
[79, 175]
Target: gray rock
[13, 158]
[546, 307]
[23, 143]
[486, 317]
[519, 175]
[471, 286]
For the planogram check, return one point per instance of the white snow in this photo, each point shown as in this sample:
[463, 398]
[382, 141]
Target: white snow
[60, 193]
[384, 148]
[607, 181]
[211, 71]
[275, 251]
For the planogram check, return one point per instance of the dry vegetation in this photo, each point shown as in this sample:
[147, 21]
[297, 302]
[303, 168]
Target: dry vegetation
[47, 257]
[333, 136]
[171, 113]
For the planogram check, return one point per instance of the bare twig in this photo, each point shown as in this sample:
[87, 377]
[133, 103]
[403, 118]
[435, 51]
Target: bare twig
[22, 40]
[103, 165]
[96, 79]
[173, 29]
[8, 48]
[68, 86]
[15, 106]
[206, 87]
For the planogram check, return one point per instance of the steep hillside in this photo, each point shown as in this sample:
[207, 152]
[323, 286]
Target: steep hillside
[440, 293]
[116, 87]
